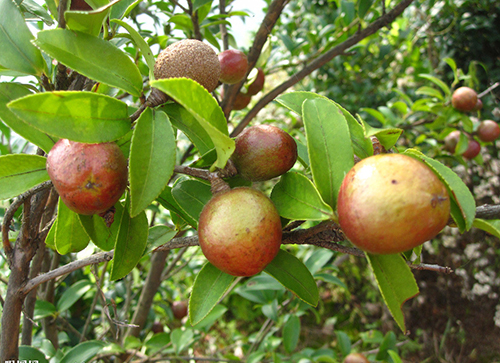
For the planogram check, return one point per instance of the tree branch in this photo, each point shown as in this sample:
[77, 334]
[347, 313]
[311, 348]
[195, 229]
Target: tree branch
[384, 20]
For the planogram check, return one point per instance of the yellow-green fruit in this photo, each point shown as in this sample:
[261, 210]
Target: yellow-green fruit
[189, 58]
[391, 203]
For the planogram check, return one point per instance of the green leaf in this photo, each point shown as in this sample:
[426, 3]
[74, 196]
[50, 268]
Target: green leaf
[167, 201]
[95, 226]
[31, 354]
[291, 333]
[389, 343]
[78, 116]
[189, 125]
[318, 259]
[463, 205]
[181, 339]
[296, 197]
[152, 159]
[21, 172]
[130, 242]
[208, 288]
[83, 352]
[437, 82]
[10, 92]
[329, 144]
[93, 57]
[200, 103]
[159, 235]
[331, 279]
[363, 7]
[43, 309]
[386, 137]
[395, 281]
[70, 236]
[73, 294]
[295, 276]
[429, 91]
[89, 22]
[191, 196]
[490, 226]
[211, 318]
[18, 53]
[343, 342]
[141, 44]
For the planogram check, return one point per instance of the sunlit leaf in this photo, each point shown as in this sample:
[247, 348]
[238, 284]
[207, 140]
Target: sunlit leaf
[21, 172]
[70, 236]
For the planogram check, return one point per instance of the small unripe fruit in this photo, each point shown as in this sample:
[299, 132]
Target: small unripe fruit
[464, 99]
[451, 141]
[189, 58]
[356, 358]
[157, 327]
[234, 66]
[241, 101]
[391, 203]
[240, 231]
[488, 130]
[473, 149]
[90, 178]
[179, 309]
[264, 152]
[258, 84]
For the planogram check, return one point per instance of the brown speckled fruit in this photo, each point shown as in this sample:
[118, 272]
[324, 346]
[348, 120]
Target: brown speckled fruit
[464, 99]
[234, 66]
[189, 58]
[488, 130]
[90, 178]
[391, 203]
[240, 231]
[264, 152]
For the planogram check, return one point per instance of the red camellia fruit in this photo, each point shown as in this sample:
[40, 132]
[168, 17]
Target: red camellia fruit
[451, 141]
[90, 178]
[464, 99]
[391, 203]
[473, 149]
[234, 66]
[241, 101]
[240, 231]
[258, 84]
[264, 152]
[180, 309]
[479, 105]
[488, 130]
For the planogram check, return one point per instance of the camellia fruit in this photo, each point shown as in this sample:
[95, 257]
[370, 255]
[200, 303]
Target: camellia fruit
[451, 141]
[180, 309]
[464, 99]
[488, 130]
[240, 231]
[234, 66]
[90, 178]
[473, 149]
[391, 203]
[355, 358]
[258, 83]
[264, 152]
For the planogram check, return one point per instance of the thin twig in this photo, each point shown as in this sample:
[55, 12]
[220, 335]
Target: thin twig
[490, 88]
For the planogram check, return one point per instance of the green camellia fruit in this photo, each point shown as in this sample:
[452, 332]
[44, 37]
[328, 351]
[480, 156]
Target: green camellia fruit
[90, 178]
[488, 130]
[263, 152]
[464, 99]
[234, 66]
[240, 231]
[391, 203]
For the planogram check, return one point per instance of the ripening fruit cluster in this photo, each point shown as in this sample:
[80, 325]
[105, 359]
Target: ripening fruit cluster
[465, 99]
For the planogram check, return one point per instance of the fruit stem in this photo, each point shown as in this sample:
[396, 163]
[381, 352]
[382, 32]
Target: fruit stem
[218, 185]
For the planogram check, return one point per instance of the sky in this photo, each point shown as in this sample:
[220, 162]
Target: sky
[242, 30]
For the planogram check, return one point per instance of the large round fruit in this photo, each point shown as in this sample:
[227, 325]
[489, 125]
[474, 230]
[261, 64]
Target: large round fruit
[391, 203]
[90, 178]
[473, 149]
[189, 58]
[240, 231]
[488, 130]
[464, 99]
[234, 66]
[263, 152]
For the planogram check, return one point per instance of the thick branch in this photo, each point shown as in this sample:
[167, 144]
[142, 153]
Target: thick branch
[321, 61]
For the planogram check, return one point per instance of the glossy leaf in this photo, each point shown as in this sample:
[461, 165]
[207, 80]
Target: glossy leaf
[159, 235]
[70, 236]
[141, 44]
[211, 318]
[387, 137]
[89, 22]
[208, 288]
[296, 197]
[78, 51]
[43, 309]
[130, 242]
[95, 227]
[18, 53]
[363, 6]
[9, 92]
[196, 99]
[463, 205]
[21, 172]
[152, 159]
[181, 339]
[295, 276]
[437, 82]
[31, 354]
[330, 150]
[73, 294]
[191, 196]
[291, 333]
[395, 281]
[490, 226]
[83, 352]
[318, 259]
[167, 201]
[78, 116]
